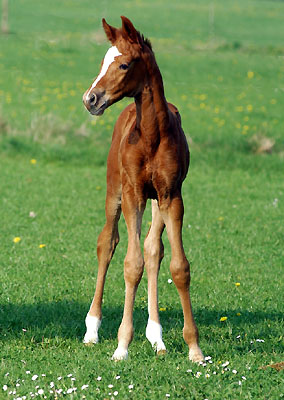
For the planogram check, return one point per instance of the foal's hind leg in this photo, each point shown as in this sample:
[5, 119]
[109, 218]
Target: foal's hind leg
[107, 241]
[153, 254]
[173, 215]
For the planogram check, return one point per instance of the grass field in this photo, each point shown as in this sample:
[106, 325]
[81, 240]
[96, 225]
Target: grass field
[222, 64]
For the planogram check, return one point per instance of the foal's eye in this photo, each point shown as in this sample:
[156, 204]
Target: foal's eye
[123, 66]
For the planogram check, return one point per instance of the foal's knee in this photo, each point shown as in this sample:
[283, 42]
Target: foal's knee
[133, 269]
[153, 250]
[180, 270]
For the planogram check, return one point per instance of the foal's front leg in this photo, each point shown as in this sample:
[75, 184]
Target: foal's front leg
[133, 271]
[153, 254]
[107, 241]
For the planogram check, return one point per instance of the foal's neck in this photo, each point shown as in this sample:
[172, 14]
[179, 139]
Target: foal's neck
[151, 107]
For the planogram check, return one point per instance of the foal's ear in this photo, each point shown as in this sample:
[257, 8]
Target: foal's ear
[128, 30]
[110, 31]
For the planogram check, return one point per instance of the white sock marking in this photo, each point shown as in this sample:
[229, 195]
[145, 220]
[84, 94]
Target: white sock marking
[92, 324]
[120, 353]
[108, 60]
[154, 335]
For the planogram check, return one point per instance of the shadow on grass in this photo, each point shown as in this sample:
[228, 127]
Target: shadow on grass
[65, 319]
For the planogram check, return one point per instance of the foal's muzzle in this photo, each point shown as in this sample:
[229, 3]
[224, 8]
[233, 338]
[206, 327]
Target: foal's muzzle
[95, 103]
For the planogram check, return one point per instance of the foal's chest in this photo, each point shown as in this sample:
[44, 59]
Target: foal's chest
[145, 175]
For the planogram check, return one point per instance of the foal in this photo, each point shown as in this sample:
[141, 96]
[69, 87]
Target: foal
[148, 159]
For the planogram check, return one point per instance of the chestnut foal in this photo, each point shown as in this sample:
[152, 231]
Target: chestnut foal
[148, 159]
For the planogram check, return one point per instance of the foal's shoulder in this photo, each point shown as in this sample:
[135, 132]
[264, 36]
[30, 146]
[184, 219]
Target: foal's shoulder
[128, 112]
[124, 123]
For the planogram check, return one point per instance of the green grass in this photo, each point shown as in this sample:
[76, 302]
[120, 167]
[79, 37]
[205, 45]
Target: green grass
[226, 76]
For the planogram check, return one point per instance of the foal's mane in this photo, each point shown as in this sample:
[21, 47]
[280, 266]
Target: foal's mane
[147, 42]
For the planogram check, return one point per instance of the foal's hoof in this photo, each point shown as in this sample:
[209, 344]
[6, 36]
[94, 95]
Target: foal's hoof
[161, 352]
[160, 348]
[120, 354]
[90, 339]
[154, 335]
[195, 354]
[92, 324]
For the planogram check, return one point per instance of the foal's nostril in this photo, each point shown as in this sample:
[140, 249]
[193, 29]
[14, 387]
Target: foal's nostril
[92, 99]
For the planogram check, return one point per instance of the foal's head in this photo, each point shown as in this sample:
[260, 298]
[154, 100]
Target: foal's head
[123, 69]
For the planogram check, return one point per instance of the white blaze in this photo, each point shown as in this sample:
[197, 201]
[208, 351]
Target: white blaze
[108, 60]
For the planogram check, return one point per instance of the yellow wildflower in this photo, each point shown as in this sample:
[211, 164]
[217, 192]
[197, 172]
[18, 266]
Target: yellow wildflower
[16, 239]
[162, 308]
[33, 161]
[41, 246]
[222, 319]
[239, 108]
[237, 284]
[250, 74]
